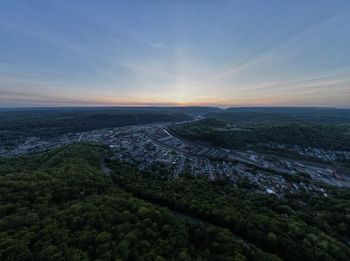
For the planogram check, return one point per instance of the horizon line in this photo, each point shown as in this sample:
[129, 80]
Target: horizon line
[223, 107]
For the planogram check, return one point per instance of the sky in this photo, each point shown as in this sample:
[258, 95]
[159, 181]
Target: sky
[174, 52]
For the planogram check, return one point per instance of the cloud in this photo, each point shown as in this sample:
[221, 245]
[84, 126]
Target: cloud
[138, 38]
[55, 41]
[25, 97]
[284, 48]
[109, 21]
[155, 71]
[335, 76]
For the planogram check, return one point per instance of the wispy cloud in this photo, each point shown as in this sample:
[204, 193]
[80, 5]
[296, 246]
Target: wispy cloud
[54, 40]
[151, 70]
[335, 76]
[112, 22]
[111, 59]
[138, 38]
[285, 47]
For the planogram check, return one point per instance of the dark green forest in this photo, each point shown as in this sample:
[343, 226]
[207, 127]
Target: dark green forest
[59, 205]
[317, 229]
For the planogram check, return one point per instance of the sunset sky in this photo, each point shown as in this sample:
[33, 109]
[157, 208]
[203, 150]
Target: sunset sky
[185, 52]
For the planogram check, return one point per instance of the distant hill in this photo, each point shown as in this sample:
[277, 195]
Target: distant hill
[268, 115]
[280, 109]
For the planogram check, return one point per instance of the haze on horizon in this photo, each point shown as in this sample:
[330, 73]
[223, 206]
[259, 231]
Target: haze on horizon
[220, 53]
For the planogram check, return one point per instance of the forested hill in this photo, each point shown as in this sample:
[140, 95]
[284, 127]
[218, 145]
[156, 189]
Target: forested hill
[16, 126]
[60, 205]
[220, 133]
[241, 128]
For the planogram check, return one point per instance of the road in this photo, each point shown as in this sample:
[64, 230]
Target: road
[81, 136]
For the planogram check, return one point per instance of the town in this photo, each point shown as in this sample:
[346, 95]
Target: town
[152, 146]
[312, 153]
